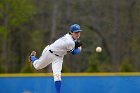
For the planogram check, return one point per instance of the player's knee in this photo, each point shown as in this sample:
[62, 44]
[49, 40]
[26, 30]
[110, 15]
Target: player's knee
[57, 77]
[37, 67]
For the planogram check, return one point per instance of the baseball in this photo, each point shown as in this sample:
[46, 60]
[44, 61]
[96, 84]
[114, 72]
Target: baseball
[98, 49]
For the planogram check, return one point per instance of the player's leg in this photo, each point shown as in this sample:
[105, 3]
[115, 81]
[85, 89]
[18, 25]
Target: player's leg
[43, 61]
[57, 67]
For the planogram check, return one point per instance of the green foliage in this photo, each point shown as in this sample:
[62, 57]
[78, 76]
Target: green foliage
[37, 40]
[14, 14]
[126, 66]
[2, 70]
[98, 62]
[16, 11]
[1, 5]
[94, 63]
[65, 68]
[3, 31]
[27, 68]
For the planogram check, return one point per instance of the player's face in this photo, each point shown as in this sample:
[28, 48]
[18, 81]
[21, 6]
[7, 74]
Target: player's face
[76, 35]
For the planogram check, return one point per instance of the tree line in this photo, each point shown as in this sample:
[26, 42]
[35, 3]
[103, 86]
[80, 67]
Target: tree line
[27, 25]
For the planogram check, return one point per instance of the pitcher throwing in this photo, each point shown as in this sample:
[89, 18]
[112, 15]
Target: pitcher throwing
[55, 52]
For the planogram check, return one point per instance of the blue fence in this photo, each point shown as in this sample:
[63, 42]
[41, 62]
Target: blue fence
[90, 83]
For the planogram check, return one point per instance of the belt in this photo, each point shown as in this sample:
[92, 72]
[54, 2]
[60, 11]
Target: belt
[53, 53]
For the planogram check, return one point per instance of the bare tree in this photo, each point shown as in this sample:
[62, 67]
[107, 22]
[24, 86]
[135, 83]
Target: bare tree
[115, 42]
[54, 20]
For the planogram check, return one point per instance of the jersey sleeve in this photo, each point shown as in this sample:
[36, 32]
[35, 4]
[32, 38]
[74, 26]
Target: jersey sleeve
[70, 45]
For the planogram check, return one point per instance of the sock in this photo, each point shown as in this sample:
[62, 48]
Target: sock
[33, 58]
[58, 86]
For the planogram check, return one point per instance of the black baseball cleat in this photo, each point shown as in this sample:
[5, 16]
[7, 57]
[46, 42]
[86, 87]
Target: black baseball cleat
[33, 53]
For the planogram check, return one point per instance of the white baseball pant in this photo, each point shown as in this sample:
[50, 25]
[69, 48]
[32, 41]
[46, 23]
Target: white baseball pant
[46, 58]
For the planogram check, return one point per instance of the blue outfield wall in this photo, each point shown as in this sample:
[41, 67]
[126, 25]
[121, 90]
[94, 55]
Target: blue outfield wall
[71, 83]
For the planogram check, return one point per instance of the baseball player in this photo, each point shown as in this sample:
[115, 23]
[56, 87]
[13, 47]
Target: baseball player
[55, 52]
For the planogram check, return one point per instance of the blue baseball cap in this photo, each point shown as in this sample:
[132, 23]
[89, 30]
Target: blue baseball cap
[75, 28]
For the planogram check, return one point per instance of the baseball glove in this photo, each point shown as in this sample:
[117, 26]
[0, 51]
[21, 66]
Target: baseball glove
[78, 43]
